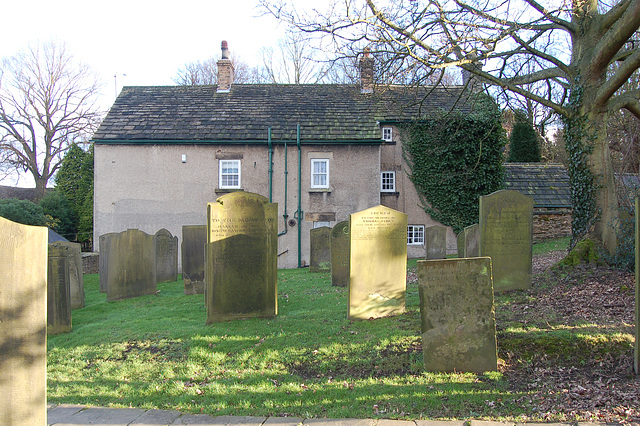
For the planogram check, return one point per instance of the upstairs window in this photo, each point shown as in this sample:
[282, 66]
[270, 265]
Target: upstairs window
[319, 173]
[388, 181]
[229, 174]
[387, 134]
[415, 235]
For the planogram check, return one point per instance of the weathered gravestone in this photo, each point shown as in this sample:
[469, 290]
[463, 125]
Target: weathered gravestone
[58, 290]
[460, 244]
[23, 333]
[103, 260]
[506, 236]
[320, 244]
[378, 263]
[194, 239]
[435, 239]
[76, 285]
[241, 265]
[340, 254]
[166, 256]
[458, 315]
[636, 352]
[132, 265]
[471, 245]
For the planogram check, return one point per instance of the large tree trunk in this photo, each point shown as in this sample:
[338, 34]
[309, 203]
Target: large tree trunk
[41, 185]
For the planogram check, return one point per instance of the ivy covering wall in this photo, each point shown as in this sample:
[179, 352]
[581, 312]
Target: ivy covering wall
[456, 158]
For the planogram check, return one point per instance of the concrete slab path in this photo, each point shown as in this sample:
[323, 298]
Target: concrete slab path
[75, 415]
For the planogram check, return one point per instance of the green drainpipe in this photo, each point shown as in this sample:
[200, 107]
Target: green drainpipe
[286, 173]
[299, 212]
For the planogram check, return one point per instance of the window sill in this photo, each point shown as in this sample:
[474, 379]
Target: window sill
[227, 190]
[312, 190]
[389, 193]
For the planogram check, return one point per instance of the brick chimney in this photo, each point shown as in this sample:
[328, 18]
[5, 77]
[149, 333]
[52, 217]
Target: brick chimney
[225, 70]
[366, 72]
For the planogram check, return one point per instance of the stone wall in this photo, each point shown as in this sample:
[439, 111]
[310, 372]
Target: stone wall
[551, 224]
[90, 263]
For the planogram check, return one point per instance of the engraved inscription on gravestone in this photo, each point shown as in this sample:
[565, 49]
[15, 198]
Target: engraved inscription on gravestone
[457, 315]
[506, 236]
[320, 245]
[166, 256]
[378, 261]
[58, 290]
[340, 254]
[435, 238]
[23, 338]
[241, 264]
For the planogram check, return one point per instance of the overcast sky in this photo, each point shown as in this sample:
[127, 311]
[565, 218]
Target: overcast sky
[141, 42]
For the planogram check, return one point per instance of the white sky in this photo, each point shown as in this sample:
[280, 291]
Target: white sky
[146, 40]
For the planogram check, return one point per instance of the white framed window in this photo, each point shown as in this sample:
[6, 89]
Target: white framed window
[387, 134]
[415, 234]
[229, 174]
[319, 173]
[388, 181]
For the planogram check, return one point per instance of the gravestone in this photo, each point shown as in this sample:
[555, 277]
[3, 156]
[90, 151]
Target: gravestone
[166, 256]
[194, 238]
[458, 315]
[241, 268]
[132, 265]
[58, 290]
[435, 239]
[471, 246]
[506, 236]
[460, 244]
[636, 351]
[23, 334]
[103, 260]
[340, 254]
[378, 263]
[76, 285]
[320, 244]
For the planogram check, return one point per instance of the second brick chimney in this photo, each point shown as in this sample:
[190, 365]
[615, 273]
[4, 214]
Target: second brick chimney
[225, 70]
[366, 72]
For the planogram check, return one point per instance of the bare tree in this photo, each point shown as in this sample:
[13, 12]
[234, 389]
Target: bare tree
[206, 72]
[47, 102]
[293, 62]
[562, 48]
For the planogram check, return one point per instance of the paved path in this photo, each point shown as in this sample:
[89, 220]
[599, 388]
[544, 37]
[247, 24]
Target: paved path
[74, 415]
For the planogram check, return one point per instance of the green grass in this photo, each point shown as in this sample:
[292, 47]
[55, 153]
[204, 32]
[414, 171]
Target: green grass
[309, 361]
[546, 246]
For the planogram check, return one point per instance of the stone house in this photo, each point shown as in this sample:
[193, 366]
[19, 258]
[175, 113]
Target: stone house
[321, 152]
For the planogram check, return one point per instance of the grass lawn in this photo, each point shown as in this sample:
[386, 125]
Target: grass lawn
[309, 361]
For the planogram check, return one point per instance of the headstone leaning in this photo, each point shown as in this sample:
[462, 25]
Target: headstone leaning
[471, 246]
[132, 265]
[636, 352]
[458, 315]
[340, 254]
[241, 267]
[506, 236]
[23, 334]
[320, 253]
[194, 238]
[435, 239]
[58, 290]
[76, 285]
[103, 260]
[378, 263]
[166, 256]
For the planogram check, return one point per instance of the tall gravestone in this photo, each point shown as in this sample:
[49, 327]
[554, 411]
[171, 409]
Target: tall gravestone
[460, 244]
[378, 263]
[241, 265]
[320, 253]
[506, 236]
[458, 315]
[103, 261]
[166, 256]
[76, 285]
[435, 239]
[23, 319]
[340, 254]
[636, 352]
[471, 246]
[58, 290]
[194, 238]
[132, 265]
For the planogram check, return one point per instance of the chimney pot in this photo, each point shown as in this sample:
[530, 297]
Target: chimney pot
[225, 70]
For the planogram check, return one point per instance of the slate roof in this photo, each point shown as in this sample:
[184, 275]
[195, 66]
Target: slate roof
[326, 113]
[548, 184]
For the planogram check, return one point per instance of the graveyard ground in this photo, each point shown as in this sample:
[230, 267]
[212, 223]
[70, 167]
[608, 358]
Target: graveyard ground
[565, 349]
